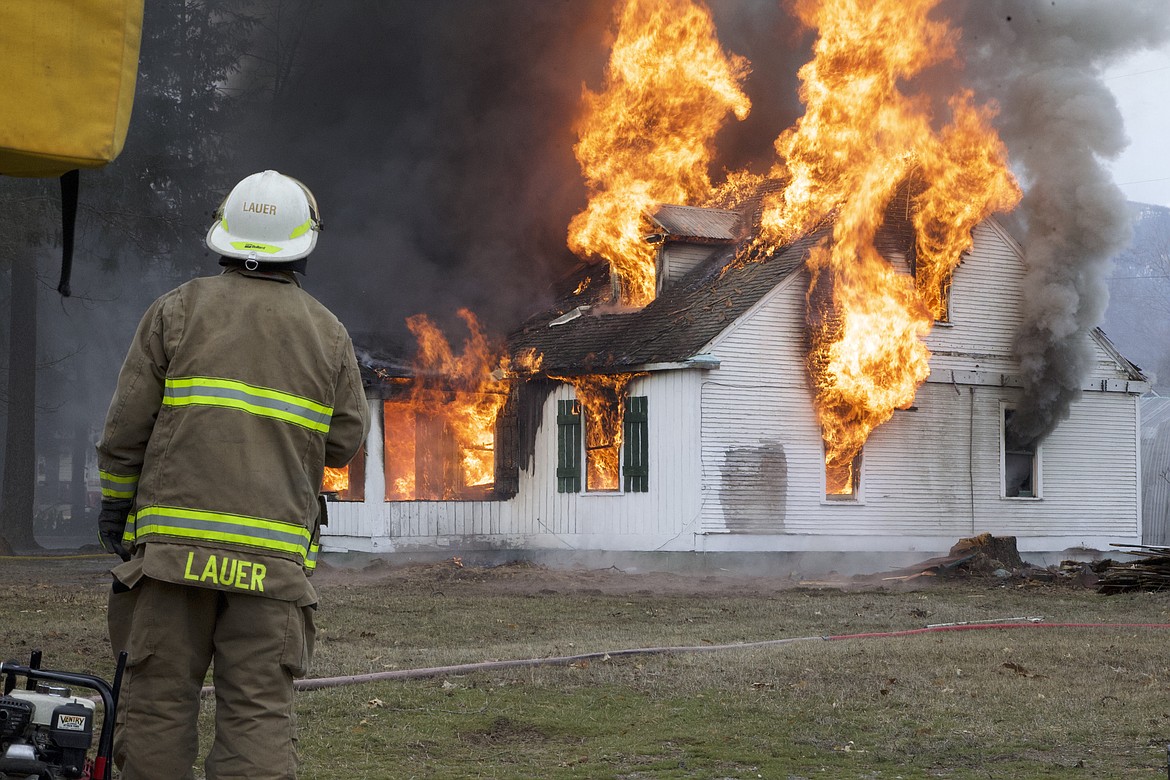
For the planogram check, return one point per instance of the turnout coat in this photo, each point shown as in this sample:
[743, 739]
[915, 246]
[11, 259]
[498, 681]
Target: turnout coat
[236, 392]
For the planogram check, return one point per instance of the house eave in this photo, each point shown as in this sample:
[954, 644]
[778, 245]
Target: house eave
[947, 376]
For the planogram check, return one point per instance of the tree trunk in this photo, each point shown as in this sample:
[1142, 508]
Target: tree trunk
[20, 474]
[82, 447]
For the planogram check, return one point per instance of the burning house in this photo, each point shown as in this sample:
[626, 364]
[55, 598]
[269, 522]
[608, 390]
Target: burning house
[849, 353]
[690, 424]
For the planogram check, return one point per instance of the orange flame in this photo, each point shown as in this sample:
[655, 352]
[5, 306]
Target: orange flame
[602, 398]
[861, 137]
[335, 480]
[648, 137]
[444, 429]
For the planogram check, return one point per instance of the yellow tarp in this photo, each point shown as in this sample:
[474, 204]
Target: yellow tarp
[67, 71]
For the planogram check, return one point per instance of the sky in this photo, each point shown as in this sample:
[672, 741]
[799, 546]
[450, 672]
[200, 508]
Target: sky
[1141, 85]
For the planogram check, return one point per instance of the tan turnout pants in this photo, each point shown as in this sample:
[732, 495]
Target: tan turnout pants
[173, 633]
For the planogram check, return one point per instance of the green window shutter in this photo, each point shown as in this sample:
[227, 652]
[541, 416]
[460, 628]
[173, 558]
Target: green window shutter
[636, 461]
[568, 447]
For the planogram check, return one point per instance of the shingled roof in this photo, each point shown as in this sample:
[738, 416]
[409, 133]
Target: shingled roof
[586, 333]
[698, 224]
[671, 329]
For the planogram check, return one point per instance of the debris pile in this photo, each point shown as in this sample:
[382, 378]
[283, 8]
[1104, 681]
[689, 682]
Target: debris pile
[998, 557]
[981, 555]
[1150, 572]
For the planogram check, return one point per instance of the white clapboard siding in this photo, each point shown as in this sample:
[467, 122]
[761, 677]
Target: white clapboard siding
[931, 471]
[678, 259]
[736, 461]
[538, 516]
[985, 301]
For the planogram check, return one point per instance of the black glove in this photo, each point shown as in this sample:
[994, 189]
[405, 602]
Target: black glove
[111, 525]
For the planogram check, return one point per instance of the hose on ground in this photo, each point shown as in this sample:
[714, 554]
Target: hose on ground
[318, 683]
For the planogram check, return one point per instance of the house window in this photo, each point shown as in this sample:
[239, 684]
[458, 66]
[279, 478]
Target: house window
[429, 455]
[1021, 463]
[601, 451]
[349, 482]
[843, 480]
[943, 312]
[934, 288]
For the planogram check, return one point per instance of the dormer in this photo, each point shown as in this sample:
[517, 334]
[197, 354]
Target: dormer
[687, 236]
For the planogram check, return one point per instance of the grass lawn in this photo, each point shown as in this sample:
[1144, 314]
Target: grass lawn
[1030, 702]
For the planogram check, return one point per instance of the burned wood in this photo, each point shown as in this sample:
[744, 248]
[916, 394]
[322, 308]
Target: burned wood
[1151, 572]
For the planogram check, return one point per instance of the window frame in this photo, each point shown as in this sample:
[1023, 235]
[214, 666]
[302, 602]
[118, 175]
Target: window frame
[857, 496]
[1006, 409]
[633, 456]
[356, 471]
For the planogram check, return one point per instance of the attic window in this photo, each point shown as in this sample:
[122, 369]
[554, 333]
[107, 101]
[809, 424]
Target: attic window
[943, 314]
[934, 291]
[1021, 463]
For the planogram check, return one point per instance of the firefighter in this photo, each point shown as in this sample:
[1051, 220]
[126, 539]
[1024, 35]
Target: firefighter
[237, 390]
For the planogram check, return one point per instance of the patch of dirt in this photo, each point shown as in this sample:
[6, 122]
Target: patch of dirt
[504, 731]
[86, 567]
[527, 578]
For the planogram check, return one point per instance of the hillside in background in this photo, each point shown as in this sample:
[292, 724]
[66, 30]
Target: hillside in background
[1138, 317]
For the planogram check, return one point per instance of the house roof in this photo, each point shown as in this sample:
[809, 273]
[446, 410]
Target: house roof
[585, 333]
[673, 328]
[693, 222]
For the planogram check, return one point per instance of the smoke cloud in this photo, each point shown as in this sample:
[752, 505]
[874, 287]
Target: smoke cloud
[438, 138]
[1043, 62]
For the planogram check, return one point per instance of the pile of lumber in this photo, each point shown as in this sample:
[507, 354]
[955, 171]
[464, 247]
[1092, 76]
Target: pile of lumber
[1150, 570]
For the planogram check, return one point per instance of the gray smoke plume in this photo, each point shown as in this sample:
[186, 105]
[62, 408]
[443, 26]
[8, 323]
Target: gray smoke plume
[1043, 61]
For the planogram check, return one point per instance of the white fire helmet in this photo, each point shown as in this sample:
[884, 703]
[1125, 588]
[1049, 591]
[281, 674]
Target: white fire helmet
[266, 218]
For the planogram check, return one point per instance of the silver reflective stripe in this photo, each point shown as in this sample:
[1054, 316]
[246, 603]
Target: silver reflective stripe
[261, 401]
[272, 536]
[118, 485]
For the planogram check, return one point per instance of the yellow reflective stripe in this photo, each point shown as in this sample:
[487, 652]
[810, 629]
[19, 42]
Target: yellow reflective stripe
[253, 246]
[118, 485]
[261, 401]
[300, 230]
[255, 532]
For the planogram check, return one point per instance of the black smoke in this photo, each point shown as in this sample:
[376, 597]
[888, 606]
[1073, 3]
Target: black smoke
[438, 138]
[1043, 61]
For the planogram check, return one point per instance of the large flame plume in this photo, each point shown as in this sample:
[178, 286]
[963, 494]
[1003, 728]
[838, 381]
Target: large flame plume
[860, 138]
[648, 136]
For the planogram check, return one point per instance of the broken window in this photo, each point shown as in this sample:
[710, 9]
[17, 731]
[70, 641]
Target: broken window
[604, 452]
[943, 311]
[934, 289]
[430, 455]
[349, 482]
[843, 479]
[1021, 463]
